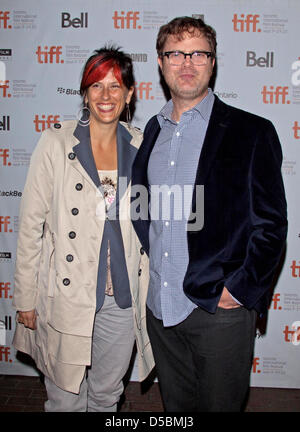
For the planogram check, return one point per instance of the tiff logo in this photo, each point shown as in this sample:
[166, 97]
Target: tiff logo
[255, 365]
[4, 155]
[4, 86]
[277, 95]
[4, 224]
[44, 122]
[4, 18]
[246, 24]
[296, 129]
[4, 290]
[292, 335]
[4, 354]
[296, 335]
[295, 269]
[143, 90]
[49, 55]
[126, 21]
[275, 302]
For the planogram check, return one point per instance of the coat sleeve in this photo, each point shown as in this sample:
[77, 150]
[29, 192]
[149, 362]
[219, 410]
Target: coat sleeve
[35, 205]
[268, 215]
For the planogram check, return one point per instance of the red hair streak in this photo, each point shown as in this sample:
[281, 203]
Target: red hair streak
[96, 72]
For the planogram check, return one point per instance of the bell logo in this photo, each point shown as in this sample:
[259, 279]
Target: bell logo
[4, 18]
[5, 123]
[4, 86]
[255, 365]
[295, 269]
[296, 129]
[275, 302]
[292, 335]
[246, 24]
[4, 156]
[277, 95]
[75, 22]
[143, 90]
[49, 55]
[4, 290]
[44, 123]
[296, 74]
[267, 61]
[128, 20]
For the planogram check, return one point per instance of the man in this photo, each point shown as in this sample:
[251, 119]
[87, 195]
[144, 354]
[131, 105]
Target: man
[207, 280]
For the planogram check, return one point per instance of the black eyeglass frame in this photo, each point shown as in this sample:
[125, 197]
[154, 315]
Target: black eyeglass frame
[168, 53]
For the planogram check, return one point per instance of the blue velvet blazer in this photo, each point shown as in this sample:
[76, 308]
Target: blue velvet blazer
[245, 216]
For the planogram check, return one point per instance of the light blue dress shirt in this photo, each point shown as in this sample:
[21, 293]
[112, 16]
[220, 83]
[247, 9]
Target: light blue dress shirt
[171, 174]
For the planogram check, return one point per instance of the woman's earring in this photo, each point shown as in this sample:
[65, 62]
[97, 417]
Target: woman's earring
[83, 116]
[128, 114]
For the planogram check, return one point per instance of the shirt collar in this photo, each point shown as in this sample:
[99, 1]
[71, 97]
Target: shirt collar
[204, 108]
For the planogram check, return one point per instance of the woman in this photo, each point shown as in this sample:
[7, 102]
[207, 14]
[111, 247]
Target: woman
[81, 275]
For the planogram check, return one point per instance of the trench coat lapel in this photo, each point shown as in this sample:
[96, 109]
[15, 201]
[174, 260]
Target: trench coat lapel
[126, 154]
[85, 159]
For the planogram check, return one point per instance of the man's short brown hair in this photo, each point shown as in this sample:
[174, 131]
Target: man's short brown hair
[194, 26]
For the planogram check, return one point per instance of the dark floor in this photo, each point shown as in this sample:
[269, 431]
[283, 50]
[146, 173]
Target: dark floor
[27, 394]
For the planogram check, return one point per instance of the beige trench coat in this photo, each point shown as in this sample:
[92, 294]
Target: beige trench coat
[61, 345]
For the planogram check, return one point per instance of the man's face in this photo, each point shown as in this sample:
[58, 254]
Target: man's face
[187, 83]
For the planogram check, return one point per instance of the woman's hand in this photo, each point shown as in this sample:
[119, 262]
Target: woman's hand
[28, 318]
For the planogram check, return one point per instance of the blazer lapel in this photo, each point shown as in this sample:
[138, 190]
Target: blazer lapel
[217, 126]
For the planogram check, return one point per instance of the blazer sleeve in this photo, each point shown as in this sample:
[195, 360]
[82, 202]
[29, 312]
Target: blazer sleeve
[268, 216]
[35, 205]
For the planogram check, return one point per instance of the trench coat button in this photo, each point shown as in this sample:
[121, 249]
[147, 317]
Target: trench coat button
[71, 155]
[142, 251]
[78, 186]
[69, 258]
[140, 272]
[66, 281]
[57, 125]
[75, 211]
[72, 234]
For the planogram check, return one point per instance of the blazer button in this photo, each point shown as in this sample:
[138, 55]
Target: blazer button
[71, 155]
[75, 211]
[69, 258]
[142, 251]
[140, 272]
[78, 186]
[72, 234]
[66, 281]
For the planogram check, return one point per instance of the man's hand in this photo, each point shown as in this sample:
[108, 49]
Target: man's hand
[226, 300]
[28, 319]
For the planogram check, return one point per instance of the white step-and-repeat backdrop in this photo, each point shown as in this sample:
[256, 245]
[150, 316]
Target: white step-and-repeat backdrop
[44, 45]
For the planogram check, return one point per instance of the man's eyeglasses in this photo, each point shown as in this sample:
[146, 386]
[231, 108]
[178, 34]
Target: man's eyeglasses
[176, 58]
